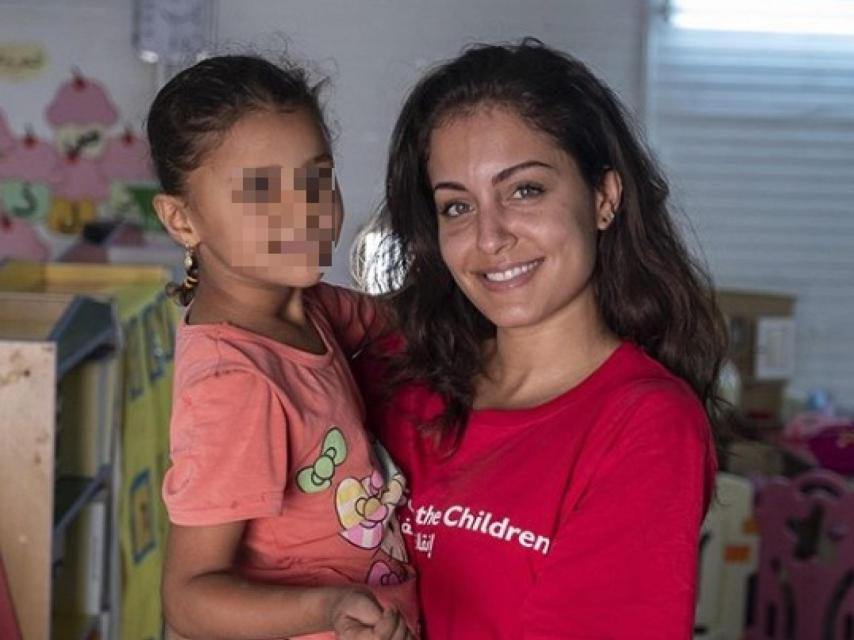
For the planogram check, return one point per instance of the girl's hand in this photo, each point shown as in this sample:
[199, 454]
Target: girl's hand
[356, 615]
[392, 626]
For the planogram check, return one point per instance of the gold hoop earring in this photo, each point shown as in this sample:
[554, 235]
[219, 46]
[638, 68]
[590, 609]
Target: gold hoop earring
[191, 266]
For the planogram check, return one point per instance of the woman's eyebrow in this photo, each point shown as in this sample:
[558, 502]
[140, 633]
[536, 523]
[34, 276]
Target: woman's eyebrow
[499, 177]
[454, 186]
[504, 174]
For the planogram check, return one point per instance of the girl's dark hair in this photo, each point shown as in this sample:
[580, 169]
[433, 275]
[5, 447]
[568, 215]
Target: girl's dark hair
[648, 287]
[192, 112]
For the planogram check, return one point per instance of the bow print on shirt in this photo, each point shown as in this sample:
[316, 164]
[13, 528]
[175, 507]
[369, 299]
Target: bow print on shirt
[333, 452]
[365, 506]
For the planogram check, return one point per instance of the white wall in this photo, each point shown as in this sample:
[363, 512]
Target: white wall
[375, 50]
[93, 35]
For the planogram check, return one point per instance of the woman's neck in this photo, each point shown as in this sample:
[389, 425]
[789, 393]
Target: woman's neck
[527, 366]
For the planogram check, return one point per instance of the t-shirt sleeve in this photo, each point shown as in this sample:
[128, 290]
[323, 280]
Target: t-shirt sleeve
[623, 563]
[356, 318]
[228, 446]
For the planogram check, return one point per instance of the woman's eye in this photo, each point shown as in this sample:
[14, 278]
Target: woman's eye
[454, 209]
[527, 191]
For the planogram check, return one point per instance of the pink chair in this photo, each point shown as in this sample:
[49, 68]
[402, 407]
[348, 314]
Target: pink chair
[805, 588]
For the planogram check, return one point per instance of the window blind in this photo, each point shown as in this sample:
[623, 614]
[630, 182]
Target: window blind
[756, 132]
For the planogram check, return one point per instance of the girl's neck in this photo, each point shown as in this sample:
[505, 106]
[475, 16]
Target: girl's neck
[528, 366]
[271, 311]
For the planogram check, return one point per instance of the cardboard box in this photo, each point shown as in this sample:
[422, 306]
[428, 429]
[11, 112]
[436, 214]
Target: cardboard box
[762, 348]
[751, 457]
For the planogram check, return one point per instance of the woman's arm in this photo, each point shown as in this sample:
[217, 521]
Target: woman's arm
[203, 598]
[357, 318]
[624, 560]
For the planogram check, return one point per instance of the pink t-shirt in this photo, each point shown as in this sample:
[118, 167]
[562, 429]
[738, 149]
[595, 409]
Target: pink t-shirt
[274, 436]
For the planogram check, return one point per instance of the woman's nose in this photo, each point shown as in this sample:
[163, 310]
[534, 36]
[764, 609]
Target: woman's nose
[493, 235]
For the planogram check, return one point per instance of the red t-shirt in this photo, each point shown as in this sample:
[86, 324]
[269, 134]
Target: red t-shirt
[575, 519]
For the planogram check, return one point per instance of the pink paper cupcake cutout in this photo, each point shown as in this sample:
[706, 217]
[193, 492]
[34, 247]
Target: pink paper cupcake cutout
[30, 160]
[81, 101]
[81, 179]
[7, 139]
[19, 240]
[127, 159]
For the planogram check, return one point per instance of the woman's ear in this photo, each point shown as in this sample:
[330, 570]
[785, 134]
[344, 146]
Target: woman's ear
[172, 212]
[609, 194]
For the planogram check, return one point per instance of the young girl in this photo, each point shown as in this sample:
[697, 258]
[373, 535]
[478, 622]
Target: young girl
[281, 506]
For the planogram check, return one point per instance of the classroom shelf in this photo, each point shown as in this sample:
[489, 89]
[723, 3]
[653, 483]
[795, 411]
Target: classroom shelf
[44, 339]
[71, 495]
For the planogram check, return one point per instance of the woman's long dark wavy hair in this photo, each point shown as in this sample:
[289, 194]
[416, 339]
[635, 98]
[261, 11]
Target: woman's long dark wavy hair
[648, 287]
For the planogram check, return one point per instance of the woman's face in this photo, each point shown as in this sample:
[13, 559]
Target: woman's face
[517, 223]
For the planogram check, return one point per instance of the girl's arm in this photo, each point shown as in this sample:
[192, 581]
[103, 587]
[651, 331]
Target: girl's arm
[203, 598]
[219, 480]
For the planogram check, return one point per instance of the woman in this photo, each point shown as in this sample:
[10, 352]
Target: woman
[557, 378]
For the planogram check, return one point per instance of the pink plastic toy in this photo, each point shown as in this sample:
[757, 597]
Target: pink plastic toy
[805, 588]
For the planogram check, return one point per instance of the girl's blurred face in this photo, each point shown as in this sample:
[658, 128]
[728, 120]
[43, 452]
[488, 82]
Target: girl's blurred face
[265, 203]
[518, 225]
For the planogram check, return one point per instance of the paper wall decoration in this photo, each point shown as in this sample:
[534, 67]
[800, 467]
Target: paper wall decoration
[7, 138]
[89, 171]
[27, 173]
[127, 164]
[21, 60]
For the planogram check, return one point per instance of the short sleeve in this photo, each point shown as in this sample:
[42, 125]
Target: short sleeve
[624, 560]
[228, 439]
[357, 319]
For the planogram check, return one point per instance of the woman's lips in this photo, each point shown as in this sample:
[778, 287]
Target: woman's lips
[510, 276]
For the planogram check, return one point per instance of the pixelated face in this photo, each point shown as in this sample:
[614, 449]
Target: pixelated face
[266, 200]
[289, 215]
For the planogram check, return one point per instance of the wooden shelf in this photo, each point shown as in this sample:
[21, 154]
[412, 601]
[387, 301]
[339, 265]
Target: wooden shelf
[74, 627]
[43, 336]
[71, 495]
[77, 325]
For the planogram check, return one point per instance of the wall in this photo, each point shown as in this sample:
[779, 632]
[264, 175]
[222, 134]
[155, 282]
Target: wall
[374, 51]
[95, 36]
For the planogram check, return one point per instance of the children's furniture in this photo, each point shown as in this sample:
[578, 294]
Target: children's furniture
[54, 403]
[44, 338]
[728, 561]
[805, 588]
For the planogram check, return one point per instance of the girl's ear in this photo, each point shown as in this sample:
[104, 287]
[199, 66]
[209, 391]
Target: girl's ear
[172, 212]
[609, 194]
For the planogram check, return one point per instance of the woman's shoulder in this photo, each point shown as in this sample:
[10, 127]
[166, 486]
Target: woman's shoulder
[643, 393]
[637, 376]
